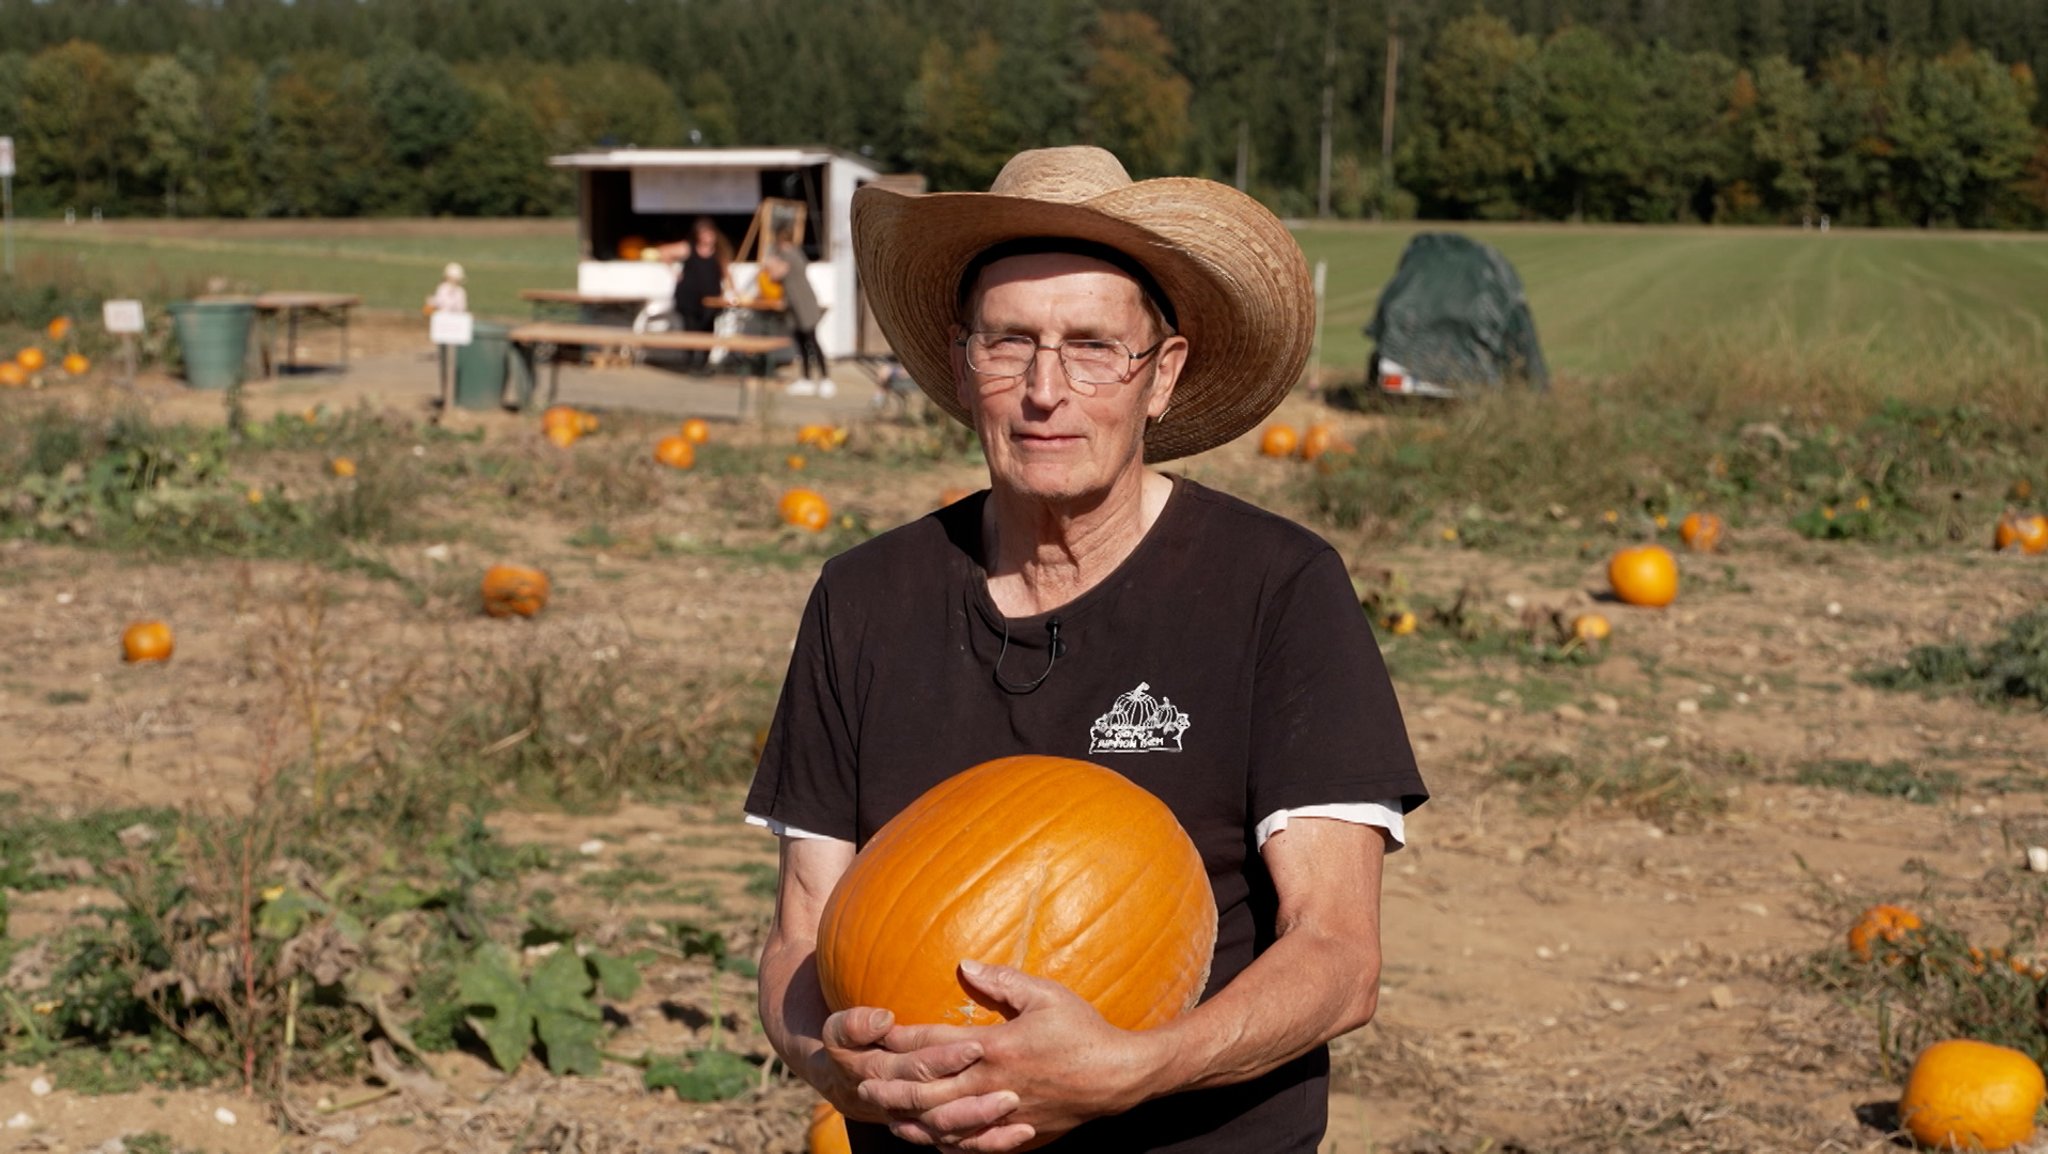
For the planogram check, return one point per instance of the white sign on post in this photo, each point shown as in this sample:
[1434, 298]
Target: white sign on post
[122, 317]
[451, 328]
[6, 156]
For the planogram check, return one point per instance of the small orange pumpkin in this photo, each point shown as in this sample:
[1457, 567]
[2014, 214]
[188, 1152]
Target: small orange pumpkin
[1279, 441]
[1970, 1095]
[805, 509]
[2021, 533]
[1100, 890]
[342, 467]
[1701, 532]
[795, 461]
[31, 359]
[1882, 922]
[146, 641]
[1319, 439]
[632, 247]
[675, 451]
[1403, 623]
[76, 364]
[828, 1131]
[514, 590]
[697, 431]
[1646, 575]
[1590, 627]
[58, 328]
[12, 375]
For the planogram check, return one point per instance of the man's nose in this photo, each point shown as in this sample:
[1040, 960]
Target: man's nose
[1046, 379]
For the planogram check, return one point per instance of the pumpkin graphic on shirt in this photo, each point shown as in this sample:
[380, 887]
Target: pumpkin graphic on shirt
[1139, 723]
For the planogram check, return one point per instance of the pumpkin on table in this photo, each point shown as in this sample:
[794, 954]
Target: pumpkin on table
[1970, 1095]
[146, 641]
[1646, 575]
[514, 591]
[1099, 890]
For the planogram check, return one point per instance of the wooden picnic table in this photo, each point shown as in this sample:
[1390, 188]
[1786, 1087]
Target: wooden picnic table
[328, 306]
[544, 341]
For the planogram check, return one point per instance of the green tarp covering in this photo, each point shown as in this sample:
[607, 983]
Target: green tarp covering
[1454, 314]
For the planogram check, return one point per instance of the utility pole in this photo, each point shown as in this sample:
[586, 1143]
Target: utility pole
[1329, 106]
[1387, 113]
[1244, 155]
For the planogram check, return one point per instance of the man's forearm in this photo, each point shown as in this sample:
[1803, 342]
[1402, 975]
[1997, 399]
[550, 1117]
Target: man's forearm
[792, 1007]
[1309, 987]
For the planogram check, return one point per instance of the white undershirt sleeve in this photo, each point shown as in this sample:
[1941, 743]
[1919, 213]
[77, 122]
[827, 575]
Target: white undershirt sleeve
[1384, 814]
[779, 829]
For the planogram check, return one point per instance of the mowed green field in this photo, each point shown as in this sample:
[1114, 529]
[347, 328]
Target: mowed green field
[1604, 298]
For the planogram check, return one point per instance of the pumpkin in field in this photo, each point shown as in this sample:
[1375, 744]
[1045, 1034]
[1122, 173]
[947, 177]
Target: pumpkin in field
[1701, 532]
[795, 461]
[1883, 922]
[697, 430]
[58, 328]
[146, 641]
[342, 467]
[1279, 441]
[1588, 628]
[1969, 1095]
[565, 417]
[1402, 624]
[1317, 440]
[563, 435]
[12, 376]
[1645, 575]
[76, 364]
[2021, 533]
[1099, 889]
[514, 590]
[828, 1131]
[805, 509]
[31, 359]
[675, 451]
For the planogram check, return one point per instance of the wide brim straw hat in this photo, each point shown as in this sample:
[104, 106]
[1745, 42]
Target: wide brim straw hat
[1237, 281]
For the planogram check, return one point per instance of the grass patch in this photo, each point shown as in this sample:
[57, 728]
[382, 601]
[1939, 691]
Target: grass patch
[2010, 669]
[1669, 792]
[1890, 779]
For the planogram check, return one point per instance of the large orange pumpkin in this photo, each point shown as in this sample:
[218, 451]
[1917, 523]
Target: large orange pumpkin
[146, 641]
[828, 1131]
[697, 430]
[1969, 1095]
[1279, 441]
[2021, 533]
[514, 590]
[675, 451]
[1645, 575]
[1057, 867]
[1319, 439]
[1882, 922]
[806, 509]
[1701, 532]
[31, 359]
[12, 375]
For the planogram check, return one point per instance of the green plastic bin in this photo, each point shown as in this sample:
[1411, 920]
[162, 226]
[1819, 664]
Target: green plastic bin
[481, 365]
[214, 337]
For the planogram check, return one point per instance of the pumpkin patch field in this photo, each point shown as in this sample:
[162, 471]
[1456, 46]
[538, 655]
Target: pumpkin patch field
[394, 806]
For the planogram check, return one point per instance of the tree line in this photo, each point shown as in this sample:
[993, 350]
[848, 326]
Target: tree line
[1913, 112]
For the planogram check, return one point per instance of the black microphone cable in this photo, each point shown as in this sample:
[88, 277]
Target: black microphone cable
[1055, 649]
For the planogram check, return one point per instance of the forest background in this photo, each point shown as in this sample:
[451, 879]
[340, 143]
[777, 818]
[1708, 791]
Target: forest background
[1874, 112]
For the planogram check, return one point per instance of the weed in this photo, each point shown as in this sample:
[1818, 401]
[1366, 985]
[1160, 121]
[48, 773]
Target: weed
[555, 1005]
[2012, 668]
[1667, 791]
[1933, 984]
[702, 1075]
[1891, 779]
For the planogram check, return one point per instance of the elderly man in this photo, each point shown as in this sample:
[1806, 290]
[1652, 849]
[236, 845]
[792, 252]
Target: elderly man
[1088, 606]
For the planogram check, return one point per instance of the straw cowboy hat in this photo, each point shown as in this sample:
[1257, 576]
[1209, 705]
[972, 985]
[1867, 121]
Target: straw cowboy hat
[1236, 281]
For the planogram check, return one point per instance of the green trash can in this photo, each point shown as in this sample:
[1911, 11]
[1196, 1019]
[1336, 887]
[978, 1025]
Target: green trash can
[480, 366]
[214, 337]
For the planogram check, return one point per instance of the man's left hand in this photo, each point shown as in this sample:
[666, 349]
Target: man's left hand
[1064, 1063]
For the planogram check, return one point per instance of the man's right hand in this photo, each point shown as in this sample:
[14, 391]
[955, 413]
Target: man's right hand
[853, 1053]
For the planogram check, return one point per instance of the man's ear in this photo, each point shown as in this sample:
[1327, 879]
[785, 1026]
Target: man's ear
[1168, 364]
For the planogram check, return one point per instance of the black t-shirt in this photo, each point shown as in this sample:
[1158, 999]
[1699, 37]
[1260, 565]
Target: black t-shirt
[1225, 666]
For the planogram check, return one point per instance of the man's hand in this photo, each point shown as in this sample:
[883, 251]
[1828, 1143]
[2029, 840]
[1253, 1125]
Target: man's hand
[853, 1055]
[1053, 1066]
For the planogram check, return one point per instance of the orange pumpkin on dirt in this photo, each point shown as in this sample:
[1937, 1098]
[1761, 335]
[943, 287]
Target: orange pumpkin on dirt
[31, 359]
[146, 641]
[805, 509]
[1646, 575]
[514, 591]
[1279, 441]
[697, 431]
[58, 328]
[1884, 922]
[1319, 439]
[675, 451]
[1588, 628]
[1970, 1095]
[563, 434]
[828, 1131]
[1101, 891]
[342, 467]
[2021, 533]
[76, 364]
[1701, 532]
[12, 376]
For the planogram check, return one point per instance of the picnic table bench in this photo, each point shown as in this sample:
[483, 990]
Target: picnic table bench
[330, 307]
[544, 341]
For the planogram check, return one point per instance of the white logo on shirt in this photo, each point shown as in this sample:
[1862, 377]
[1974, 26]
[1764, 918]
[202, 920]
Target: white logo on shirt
[1139, 723]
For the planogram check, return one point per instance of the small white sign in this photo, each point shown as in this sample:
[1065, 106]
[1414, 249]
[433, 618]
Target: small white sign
[451, 328]
[6, 156]
[122, 317]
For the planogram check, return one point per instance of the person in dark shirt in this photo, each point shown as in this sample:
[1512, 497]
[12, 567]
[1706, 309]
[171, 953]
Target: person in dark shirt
[1087, 605]
[702, 277]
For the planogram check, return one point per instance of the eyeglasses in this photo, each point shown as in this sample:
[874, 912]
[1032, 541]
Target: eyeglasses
[1090, 363]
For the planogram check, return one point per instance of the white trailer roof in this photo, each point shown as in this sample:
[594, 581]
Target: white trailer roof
[708, 158]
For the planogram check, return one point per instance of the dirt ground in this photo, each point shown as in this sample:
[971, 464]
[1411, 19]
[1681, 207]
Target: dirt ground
[1585, 979]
